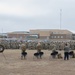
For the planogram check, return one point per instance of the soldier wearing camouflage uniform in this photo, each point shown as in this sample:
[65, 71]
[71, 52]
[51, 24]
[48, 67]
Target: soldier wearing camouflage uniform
[23, 53]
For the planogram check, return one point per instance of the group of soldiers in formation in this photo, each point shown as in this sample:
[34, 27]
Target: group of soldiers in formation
[42, 45]
[14, 44]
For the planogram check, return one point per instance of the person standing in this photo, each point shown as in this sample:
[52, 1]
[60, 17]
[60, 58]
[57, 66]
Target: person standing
[54, 52]
[23, 51]
[66, 52]
[39, 47]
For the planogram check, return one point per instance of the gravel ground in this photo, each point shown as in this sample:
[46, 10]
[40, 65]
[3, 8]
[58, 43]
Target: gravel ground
[11, 64]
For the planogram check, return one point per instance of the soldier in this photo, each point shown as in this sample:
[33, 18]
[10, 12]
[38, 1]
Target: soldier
[61, 46]
[54, 47]
[39, 53]
[54, 52]
[39, 47]
[23, 53]
[66, 52]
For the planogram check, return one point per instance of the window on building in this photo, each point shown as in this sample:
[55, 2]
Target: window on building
[32, 36]
[61, 36]
[54, 36]
[55, 32]
[58, 36]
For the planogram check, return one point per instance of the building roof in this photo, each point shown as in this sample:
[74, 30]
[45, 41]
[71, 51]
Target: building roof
[54, 31]
[19, 32]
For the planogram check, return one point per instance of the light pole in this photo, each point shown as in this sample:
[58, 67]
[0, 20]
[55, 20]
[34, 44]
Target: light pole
[60, 18]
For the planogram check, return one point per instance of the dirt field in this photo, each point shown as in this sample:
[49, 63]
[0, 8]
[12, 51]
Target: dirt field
[11, 64]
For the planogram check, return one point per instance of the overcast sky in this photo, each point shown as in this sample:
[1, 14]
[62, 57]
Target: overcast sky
[23, 15]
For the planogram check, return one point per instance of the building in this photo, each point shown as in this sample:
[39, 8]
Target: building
[53, 34]
[73, 36]
[43, 34]
[3, 35]
[22, 35]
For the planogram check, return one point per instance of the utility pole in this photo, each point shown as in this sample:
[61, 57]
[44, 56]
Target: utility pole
[60, 18]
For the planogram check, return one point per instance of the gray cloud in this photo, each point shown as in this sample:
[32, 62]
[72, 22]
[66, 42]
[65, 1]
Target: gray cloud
[20, 15]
